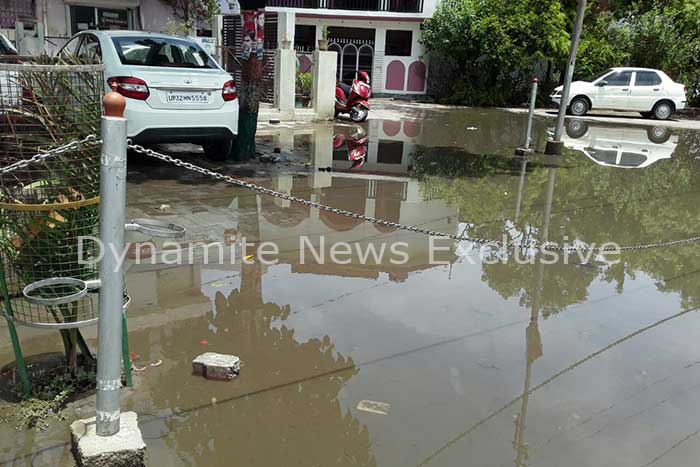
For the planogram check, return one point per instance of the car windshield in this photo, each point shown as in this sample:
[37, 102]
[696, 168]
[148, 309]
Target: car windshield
[161, 52]
[593, 78]
[6, 47]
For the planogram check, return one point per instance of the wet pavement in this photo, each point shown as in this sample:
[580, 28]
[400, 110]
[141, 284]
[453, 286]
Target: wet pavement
[484, 361]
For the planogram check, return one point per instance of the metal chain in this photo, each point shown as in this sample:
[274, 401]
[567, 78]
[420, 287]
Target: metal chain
[385, 223]
[73, 145]
[93, 140]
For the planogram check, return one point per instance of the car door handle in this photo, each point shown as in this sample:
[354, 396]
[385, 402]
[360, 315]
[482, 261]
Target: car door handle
[625, 89]
[657, 89]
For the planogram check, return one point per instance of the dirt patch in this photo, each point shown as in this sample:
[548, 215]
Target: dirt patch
[52, 388]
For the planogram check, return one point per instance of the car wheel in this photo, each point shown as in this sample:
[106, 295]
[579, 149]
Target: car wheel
[663, 110]
[218, 150]
[646, 114]
[579, 106]
[576, 128]
[658, 134]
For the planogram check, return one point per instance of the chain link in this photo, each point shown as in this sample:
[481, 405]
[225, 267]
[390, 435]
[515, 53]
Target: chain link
[90, 140]
[385, 223]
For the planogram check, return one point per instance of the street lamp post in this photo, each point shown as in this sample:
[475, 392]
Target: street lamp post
[554, 146]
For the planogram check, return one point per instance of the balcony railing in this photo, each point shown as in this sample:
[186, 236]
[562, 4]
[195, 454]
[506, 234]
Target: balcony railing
[397, 6]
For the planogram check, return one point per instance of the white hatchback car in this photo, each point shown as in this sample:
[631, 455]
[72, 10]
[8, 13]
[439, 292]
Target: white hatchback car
[175, 92]
[649, 92]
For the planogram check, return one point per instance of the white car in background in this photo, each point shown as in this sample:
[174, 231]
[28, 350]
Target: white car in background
[622, 147]
[175, 92]
[649, 92]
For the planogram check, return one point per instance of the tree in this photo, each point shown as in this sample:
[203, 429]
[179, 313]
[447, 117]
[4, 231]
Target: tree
[249, 92]
[495, 47]
[190, 12]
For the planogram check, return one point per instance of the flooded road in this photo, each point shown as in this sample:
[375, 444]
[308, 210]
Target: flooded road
[483, 358]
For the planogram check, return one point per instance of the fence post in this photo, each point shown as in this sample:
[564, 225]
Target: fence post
[531, 113]
[112, 220]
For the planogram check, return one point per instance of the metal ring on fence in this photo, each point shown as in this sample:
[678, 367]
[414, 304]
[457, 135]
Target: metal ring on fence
[55, 281]
[156, 228]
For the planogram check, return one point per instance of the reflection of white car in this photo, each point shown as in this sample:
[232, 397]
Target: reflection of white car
[175, 92]
[649, 92]
[624, 147]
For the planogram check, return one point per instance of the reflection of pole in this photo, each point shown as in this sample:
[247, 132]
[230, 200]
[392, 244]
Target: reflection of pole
[112, 213]
[533, 341]
[555, 146]
[521, 186]
[548, 205]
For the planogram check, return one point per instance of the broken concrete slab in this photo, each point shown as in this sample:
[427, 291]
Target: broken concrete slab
[124, 449]
[216, 366]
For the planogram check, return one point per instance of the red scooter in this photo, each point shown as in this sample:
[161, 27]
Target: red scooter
[353, 100]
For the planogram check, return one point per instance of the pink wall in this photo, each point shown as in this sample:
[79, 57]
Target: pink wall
[416, 76]
[395, 73]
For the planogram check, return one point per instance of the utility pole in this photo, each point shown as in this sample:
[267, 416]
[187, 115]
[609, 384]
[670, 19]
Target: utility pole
[555, 145]
[112, 214]
[253, 15]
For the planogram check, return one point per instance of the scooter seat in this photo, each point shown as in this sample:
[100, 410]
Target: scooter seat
[346, 88]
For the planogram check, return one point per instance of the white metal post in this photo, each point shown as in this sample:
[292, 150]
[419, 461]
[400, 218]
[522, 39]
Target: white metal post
[112, 220]
[531, 113]
[554, 146]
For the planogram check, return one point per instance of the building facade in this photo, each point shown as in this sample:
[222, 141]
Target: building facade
[381, 37]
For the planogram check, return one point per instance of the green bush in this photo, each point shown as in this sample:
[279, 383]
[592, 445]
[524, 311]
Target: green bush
[304, 83]
[493, 47]
[487, 51]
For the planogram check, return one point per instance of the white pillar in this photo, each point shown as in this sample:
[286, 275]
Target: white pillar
[285, 82]
[378, 61]
[325, 64]
[286, 27]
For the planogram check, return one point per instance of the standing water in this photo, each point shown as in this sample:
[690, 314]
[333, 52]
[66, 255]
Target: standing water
[478, 356]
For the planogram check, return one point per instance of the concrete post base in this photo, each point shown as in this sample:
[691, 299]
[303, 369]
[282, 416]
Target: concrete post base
[125, 449]
[554, 148]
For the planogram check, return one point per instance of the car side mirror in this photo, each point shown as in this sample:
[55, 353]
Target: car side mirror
[600, 84]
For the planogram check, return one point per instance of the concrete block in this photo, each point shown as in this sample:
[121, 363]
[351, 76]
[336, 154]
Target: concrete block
[554, 148]
[124, 449]
[325, 67]
[216, 366]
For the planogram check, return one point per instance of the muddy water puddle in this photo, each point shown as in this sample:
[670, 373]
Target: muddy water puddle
[474, 356]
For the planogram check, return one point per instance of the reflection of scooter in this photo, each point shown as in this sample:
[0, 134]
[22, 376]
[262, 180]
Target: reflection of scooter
[623, 147]
[353, 100]
[356, 142]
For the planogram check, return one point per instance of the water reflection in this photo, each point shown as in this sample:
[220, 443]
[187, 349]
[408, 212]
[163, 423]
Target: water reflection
[623, 147]
[443, 344]
[491, 364]
[290, 387]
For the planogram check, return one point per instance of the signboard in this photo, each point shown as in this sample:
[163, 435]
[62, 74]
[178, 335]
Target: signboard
[112, 19]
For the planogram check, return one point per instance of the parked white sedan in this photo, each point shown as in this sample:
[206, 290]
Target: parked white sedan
[649, 92]
[175, 92]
